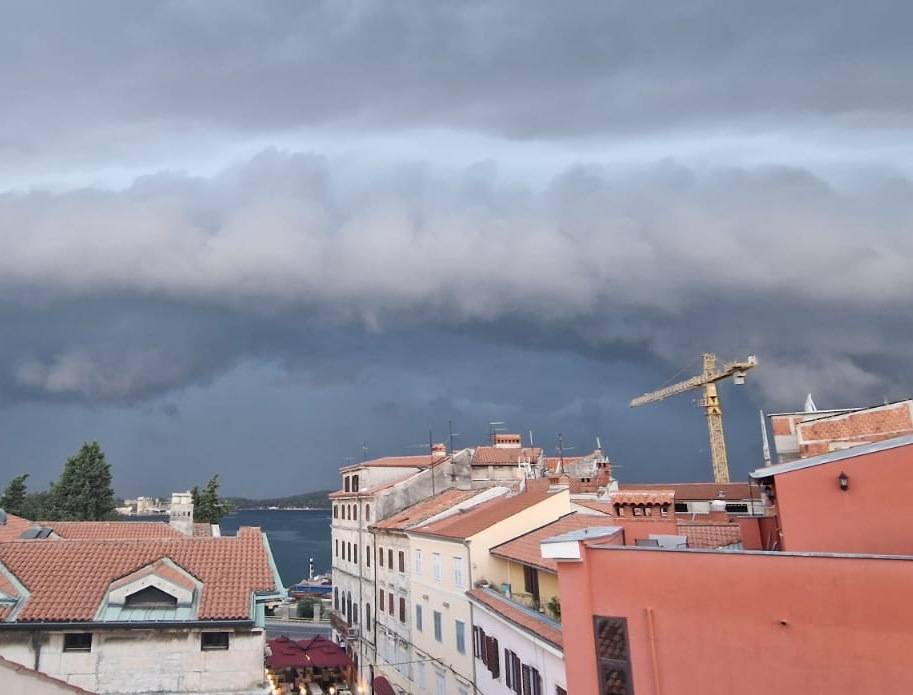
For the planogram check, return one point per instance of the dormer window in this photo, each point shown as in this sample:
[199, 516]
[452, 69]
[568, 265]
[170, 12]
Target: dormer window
[151, 597]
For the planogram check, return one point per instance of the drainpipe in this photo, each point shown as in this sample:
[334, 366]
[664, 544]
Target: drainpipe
[37, 641]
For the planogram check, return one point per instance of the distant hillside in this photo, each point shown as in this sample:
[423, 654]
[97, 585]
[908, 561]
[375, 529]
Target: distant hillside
[313, 500]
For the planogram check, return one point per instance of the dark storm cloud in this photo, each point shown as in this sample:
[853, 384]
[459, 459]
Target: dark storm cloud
[107, 78]
[118, 295]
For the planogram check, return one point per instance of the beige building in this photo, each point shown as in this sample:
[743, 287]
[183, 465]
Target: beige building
[450, 555]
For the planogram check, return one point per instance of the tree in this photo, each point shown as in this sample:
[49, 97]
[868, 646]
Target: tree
[83, 492]
[207, 507]
[13, 497]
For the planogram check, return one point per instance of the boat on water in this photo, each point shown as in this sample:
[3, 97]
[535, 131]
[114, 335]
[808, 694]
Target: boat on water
[314, 586]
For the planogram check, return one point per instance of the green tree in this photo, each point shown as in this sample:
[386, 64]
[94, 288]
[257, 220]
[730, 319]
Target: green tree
[13, 497]
[207, 507]
[83, 492]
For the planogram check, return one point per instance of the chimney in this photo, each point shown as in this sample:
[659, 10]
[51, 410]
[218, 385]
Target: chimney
[181, 517]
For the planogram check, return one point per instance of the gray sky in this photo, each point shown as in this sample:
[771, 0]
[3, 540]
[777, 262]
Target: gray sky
[245, 237]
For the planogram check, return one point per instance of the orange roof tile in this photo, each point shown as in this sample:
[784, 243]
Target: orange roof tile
[417, 513]
[526, 550]
[603, 507]
[465, 524]
[161, 568]
[68, 578]
[642, 497]
[517, 615]
[710, 536]
[14, 527]
[490, 455]
[111, 530]
[700, 491]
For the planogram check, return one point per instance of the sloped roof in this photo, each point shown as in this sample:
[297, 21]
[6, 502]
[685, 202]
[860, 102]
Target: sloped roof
[29, 673]
[491, 455]
[537, 625]
[420, 461]
[710, 536]
[525, 549]
[700, 491]
[465, 524]
[603, 507]
[14, 527]
[111, 530]
[68, 578]
[371, 490]
[417, 513]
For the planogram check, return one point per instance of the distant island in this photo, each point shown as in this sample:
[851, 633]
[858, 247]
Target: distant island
[304, 500]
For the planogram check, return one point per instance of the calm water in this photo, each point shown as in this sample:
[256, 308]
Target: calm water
[294, 536]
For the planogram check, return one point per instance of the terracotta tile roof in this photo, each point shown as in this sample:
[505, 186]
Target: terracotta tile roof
[417, 513]
[517, 615]
[68, 579]
[202, 530]
[490, 455]
[710, 535]
[525, 549]
[111, 530]
[551, 462]
[467, 523]
[421, 461]
[700, 491]
[642, 497]
[60, 686]
[162, 569]
[14, 527]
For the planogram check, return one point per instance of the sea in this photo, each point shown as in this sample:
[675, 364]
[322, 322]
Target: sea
[295, 536]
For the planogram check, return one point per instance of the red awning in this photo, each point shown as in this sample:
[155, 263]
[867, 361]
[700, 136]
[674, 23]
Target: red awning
[317, 652]
[382, 686]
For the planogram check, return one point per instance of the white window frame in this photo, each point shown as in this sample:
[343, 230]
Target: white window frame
[438, 620]
[459, 628]
[418, 562]
[458, 572]
[437, 567]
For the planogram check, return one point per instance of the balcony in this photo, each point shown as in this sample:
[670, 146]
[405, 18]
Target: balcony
[340, 625]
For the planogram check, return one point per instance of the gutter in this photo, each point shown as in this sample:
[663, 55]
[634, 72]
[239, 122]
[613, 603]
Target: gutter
[145, 624]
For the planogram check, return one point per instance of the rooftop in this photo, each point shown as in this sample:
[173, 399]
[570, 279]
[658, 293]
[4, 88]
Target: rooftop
[421, 461]
[842, 455]
[531, 621]
[490, 455]
[422, 511]
[467, 523]
[700, 491]
[111, 530]
[525, 549]
[67, 579]
[710, 536]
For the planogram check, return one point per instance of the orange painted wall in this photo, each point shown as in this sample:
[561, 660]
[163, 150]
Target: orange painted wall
[870, 517]
[747, 623]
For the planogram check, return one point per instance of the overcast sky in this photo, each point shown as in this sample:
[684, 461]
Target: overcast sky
[246, 238]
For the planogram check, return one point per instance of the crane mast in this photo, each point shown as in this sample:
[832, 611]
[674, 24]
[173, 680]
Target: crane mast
[710, 402]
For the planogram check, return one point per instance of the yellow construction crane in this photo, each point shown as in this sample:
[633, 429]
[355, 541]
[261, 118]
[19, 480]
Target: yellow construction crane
[710, 403]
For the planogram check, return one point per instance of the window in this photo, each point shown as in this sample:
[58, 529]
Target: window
[438, 631]
[390, 602]
[402, 609]
[356, 554]
[418, 617]
[440, 683]
[458, 571]
[462, 690]
[390, 559]
[213, 640]
[354, 483]
[436, 566]
[613, 658]
[355, 512]
[335, 511]
[367, 512]
[337, 547]
[368, 617]
[336, 599]
[346, 483]
[77, 642]
[402, 561]
[380, 559]
[532, 681]
[460, 636]
[531, 583]
[513, 677]
[151, 597]
[418, 561]
[420, 668]
[367, 556]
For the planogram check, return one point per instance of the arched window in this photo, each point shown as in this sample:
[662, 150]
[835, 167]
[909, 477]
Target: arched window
[367, 512]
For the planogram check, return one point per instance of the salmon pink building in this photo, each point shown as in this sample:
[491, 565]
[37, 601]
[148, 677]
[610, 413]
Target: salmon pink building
[816, 600]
